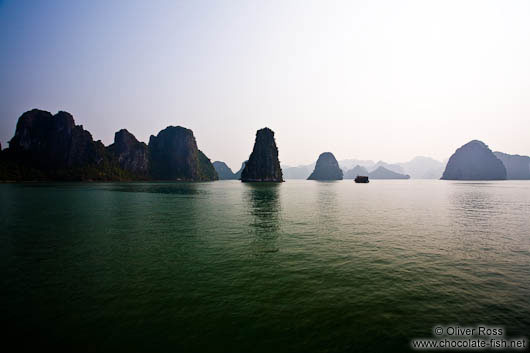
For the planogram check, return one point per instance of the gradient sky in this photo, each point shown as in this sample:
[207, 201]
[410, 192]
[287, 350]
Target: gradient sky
[363, 79]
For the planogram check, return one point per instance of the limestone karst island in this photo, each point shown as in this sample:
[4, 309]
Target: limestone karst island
[51, 147]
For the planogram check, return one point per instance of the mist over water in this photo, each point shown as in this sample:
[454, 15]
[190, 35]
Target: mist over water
[230, 266]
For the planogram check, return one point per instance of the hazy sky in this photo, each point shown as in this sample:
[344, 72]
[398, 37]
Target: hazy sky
[363, 79]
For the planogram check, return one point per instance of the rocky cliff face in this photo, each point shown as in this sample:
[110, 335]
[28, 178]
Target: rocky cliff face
[327, 168]
[474, 161]
[206, 170]
[52, 147]
[174, 155]
[131, 154]
[356, 171]
[263, 164]
[224, 172]
[52, 142]
[383, 173]
[517, 167]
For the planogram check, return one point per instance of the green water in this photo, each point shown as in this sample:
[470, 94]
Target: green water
[294, 267]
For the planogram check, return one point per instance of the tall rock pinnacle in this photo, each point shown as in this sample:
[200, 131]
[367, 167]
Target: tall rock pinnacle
[263, 164]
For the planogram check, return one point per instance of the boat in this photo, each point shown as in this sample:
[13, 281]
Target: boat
[361, 179]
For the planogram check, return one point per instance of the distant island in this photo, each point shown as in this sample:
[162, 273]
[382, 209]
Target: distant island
[326, 168]
[384, 173]
[378, 173]
[474, 161]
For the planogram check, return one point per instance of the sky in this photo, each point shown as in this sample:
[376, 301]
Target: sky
[380, 80]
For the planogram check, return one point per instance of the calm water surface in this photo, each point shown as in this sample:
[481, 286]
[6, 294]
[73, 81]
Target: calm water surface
[295, 267]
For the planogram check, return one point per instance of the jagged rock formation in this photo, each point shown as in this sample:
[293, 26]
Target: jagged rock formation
[54, 141]
[237, 175]
[52, 147]
[327, 168]
[474, 161]
[356, 171]
[517, 167]
[224, 172]
[131, 154]
[173, 155]
[263, 163]
[383, 173]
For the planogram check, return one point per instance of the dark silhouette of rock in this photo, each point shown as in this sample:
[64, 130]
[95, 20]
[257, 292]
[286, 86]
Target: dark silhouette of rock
[356, 171]
[52, 147]
[131, 154]
[383, 173]
[174, 155]
[474, 161]
[327, 168]
[238, 173]
[52, 142]
[517, 167]
[263, 163]
[224, 172]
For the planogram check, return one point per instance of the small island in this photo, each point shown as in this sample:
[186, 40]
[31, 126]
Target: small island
[326, 168]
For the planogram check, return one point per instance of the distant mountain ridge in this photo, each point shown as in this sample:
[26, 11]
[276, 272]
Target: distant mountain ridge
[418, 168]
[356, 171]
[223, 171]
[384, 173]
[300, 172]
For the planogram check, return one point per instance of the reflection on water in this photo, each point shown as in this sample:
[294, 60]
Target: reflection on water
[177, 188]
[328, 208]
[473, 207]
[476, 210]
[264, 205]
